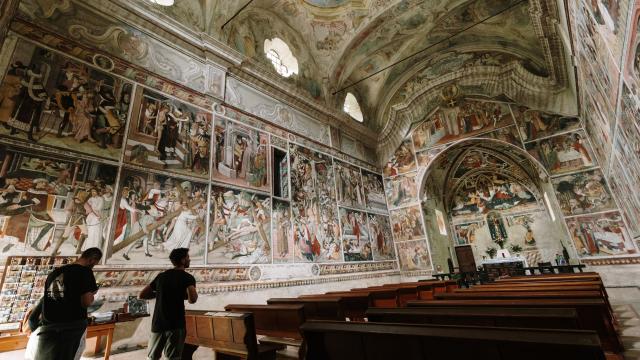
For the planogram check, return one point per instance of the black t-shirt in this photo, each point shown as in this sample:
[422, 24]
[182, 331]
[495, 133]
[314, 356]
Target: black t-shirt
[171, 291]
[63, 290]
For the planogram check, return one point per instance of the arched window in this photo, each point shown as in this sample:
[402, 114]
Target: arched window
[352, 107]
[278, 52]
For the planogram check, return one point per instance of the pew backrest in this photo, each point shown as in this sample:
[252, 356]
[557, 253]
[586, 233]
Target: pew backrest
[375, 341]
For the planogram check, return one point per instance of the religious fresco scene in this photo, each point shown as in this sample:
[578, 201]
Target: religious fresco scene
[156, 214]
[374, 191]
[316, 230]
[478, 195]
[349, 186]
[53, 205]
[406, 224]
[461, 118]
[414, 255]
[583, 193]
[381, 237]
[356, 237]
[239, 231]
[402, 161]
[301, 147]
[537, 124]
[241, 155]
[401, 190]
[170, 135]
[281, 232]
[563, 153]
[53, 100]
[601, 235]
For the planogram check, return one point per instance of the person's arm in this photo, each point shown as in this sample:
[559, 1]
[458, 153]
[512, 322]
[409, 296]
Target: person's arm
[192, 294]
[89, 291]
[87, 299]
[147, 293]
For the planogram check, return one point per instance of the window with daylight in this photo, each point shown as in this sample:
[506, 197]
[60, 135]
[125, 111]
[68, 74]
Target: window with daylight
[352, 107]
[278, 52]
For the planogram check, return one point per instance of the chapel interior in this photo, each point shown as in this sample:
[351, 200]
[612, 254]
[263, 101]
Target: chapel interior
[354, 179]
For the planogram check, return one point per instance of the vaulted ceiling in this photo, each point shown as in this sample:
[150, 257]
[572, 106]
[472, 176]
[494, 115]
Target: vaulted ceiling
[350, 45]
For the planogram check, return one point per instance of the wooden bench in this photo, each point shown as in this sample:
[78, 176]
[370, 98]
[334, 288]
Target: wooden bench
[550, 318]
[230, 335]
[330, 308]
[277, 324]
[520, 295]
[552, 277]
[376, 341]
[593, 314]
[355, 304]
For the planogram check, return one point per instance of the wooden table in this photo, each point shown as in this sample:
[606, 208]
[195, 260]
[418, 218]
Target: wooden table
[19, 340]
[100, 330]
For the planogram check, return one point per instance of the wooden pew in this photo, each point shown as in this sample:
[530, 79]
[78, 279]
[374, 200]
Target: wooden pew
[230, 335]
[382, 297]
[279, 324]
[354, 304]
[315, 308]
[552, 277]
[376, 341]
[551, 318]
[593, 314]
[520, 295]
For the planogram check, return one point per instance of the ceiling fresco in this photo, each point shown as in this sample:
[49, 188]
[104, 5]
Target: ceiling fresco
[339, 42]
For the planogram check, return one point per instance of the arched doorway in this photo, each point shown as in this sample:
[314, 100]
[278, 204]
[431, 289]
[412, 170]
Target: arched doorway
[495, 199]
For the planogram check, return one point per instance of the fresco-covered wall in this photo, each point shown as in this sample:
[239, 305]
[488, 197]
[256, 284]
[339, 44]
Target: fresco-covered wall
[92, 154]
[606, 40]
[557, 143]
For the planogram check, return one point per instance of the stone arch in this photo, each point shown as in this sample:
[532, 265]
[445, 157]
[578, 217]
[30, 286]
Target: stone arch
[525, 214]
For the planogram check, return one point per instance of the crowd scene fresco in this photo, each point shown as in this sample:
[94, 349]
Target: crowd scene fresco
[170, 135]
[57, 197]
[52, 205]
[53, 100]
[156, 214]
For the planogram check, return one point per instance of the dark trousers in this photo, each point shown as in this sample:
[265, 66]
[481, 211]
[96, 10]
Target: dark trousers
[170, 342]
[58, 344]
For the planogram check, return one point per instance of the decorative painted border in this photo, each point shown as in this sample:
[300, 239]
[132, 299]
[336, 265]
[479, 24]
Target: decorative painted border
[347, 268]
[209, 289]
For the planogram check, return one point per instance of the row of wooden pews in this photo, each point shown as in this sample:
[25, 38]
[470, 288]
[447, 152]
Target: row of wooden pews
[559, 316]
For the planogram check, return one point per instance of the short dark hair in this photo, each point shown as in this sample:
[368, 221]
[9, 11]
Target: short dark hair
[92, 253]
[177, 255]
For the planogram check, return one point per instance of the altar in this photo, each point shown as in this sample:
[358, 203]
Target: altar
[505, 266]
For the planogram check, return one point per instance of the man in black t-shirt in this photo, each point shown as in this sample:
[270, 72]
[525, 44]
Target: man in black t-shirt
[170, 289]
[69, 290]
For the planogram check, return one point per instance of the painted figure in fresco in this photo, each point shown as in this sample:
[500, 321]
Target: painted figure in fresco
[283, 226]
[200, 147]
[71, 90]
[105, 121]
[183, 229]
[94, 220]
[32, 100]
